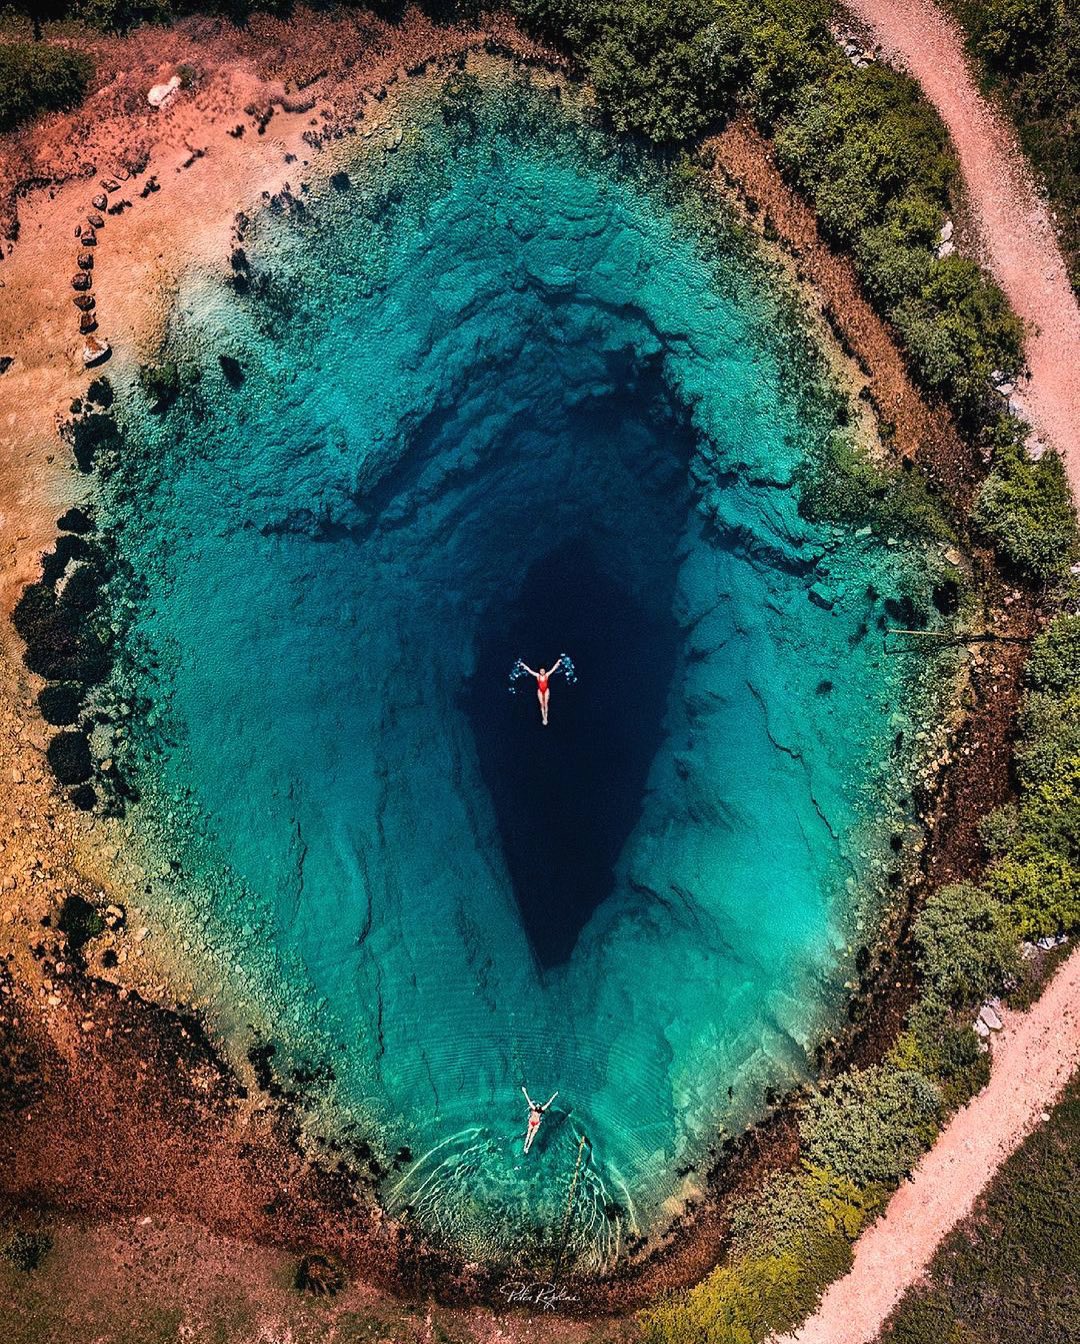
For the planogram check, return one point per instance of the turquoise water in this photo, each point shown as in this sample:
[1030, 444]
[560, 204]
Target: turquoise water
[499, 398]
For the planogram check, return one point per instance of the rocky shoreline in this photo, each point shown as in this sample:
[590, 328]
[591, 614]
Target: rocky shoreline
[116, 1105]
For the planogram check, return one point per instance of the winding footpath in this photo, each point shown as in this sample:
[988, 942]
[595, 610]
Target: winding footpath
[1034, 1056]
[1015, 234]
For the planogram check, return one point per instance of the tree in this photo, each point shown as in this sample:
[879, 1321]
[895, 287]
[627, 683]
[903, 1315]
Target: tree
[872, 1125]
[965, 946]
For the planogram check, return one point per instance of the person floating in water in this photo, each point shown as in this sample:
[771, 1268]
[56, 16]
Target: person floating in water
[563, 664]
[543, 691]
[536, 1113]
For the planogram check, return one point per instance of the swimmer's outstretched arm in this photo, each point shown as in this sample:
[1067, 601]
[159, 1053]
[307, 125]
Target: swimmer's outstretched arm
[531, 674]
[527, 1097]
[555, 667]
[549, 1101]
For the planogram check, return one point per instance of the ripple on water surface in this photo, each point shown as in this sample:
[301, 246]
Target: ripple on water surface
[496, 398]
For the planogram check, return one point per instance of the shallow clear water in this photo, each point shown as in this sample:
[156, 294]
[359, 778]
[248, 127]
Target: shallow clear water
[500, 400]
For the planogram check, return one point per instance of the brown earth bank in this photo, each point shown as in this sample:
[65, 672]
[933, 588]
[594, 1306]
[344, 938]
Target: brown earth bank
[114, 1107]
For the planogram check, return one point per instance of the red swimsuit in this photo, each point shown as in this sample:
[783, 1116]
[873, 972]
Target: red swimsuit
[542, 684]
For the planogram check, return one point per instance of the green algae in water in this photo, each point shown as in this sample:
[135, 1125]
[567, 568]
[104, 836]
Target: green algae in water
[498, 387]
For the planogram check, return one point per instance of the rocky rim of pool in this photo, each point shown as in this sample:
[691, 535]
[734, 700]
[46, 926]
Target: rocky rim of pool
[500, 386]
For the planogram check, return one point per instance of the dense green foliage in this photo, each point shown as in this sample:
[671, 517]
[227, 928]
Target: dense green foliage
[872, 1124]
[1010, 1273]
[965, 947]
[1026, 507]
[37, 77]
[1028, 53]
[1035, 845]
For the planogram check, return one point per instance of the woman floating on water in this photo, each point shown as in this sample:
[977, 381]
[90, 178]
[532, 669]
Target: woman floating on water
[536, 1113]
[543, 678]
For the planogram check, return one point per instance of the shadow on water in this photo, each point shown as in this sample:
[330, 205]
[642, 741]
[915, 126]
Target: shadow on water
[567, 796]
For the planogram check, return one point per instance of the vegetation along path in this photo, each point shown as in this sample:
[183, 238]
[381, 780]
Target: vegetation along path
[1013, 224]
[1033, 1057]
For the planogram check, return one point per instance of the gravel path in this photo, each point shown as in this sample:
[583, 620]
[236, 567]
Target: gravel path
[1033, 1057]
[1016, 237]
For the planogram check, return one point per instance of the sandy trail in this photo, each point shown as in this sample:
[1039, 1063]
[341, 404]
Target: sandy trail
[1033, 1057]
[1015, 233]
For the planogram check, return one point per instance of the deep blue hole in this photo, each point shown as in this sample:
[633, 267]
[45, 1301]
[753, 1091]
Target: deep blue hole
[567, 796]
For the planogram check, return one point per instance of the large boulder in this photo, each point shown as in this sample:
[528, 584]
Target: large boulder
[96, 350]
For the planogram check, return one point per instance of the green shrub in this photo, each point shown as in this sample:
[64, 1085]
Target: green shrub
[745, 1302]
[794, 1210]
[872, 1124]
[860, 141]
[1012, 33]
[1035, 844]
[1054, 664]
[1042, 891]
[788, 47]
[957, 330]
[787, 1245]
[965, 947]
[944, 1048]
[1026, 508]
[38, 77]
[26, 1250]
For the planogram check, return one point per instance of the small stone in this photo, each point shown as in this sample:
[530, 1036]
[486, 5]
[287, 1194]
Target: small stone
[17, 775]
[89, 237]
[945, 250]
[87, 323]
[946, 231]
[85, 261]
[100, 201]
[95, 221]
[81, 281]
[161, 94]
[84, 301]
[1005, 389]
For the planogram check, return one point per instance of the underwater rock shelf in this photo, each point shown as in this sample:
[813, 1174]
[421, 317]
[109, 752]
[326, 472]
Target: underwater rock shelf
[495, 396]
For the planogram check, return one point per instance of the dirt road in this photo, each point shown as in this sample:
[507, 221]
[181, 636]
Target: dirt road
[1016, 237]
[1033, 1057]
